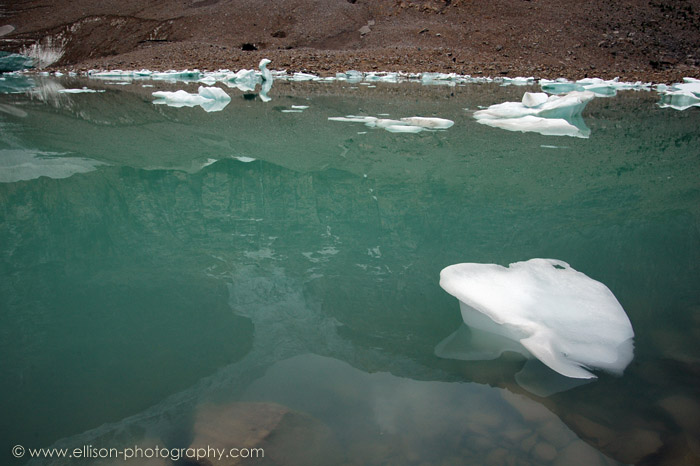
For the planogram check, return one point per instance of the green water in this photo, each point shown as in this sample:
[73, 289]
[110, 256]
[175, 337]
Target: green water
[153, 272]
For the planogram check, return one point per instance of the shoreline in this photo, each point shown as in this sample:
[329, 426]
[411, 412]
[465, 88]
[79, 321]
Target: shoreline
[328, 63]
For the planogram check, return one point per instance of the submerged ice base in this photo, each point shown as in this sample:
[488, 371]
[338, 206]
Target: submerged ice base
[560, 316]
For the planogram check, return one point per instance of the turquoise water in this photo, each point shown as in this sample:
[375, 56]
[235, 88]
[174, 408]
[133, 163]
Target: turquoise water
[155, 260]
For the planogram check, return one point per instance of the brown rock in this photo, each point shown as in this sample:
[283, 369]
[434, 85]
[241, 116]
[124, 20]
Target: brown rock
[633, 446]
[271, 432]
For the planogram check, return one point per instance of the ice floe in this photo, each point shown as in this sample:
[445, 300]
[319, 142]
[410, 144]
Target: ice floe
[600, 87]
[404, 125]
[680, 96]
[546, 309]
[556, 115]
[84, 90]
[211, 99]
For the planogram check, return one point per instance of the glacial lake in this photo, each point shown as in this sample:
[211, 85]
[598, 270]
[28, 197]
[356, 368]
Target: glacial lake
[161, 267]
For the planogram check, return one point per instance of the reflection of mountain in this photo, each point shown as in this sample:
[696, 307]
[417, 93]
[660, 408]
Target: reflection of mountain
[149, 268]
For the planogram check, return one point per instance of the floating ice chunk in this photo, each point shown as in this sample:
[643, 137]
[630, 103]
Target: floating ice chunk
[266, 74]
[174, 75]
[404, 128]
[534, 99]
[84, 90]
[565, 319]
[519, 81]
[354, 119]
[404, 125]
[303, 77]
[558, 115]
[429, 122]
[439, 79]
[211, 99]
[22, 165]
[680, 96]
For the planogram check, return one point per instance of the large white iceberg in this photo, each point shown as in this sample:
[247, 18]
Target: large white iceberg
[546, 309]
[556, 115]
[211, 99]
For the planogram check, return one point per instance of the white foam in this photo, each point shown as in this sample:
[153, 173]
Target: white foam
[565, 319]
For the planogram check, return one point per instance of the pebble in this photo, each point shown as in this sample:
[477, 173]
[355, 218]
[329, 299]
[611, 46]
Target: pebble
[579, 453]
[633, 446]
[556, 433]
[531, 411]
[545, 452]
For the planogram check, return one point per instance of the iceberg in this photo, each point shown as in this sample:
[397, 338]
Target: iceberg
[556, 115]
[542, 308]
[211, 99]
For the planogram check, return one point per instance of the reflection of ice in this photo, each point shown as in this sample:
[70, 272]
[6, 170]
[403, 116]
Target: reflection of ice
[548, 310]
[550, 116]
[421, 421]
[18, 165]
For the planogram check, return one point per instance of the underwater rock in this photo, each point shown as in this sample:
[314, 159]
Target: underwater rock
[287, 437]
[560, 316]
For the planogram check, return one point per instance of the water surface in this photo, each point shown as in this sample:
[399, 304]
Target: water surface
[154, 260]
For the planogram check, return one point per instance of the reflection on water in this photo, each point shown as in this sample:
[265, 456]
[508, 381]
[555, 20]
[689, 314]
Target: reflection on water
[255, 255]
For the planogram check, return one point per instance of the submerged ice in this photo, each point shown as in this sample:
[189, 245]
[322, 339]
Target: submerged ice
[542, 308]
[556, 115]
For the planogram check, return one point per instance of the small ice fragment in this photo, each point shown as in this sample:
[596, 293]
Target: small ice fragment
[84, 90]
[429, 122]
[404, 129]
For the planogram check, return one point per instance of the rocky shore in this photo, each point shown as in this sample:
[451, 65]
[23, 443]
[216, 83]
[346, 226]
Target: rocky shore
[648, 41]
